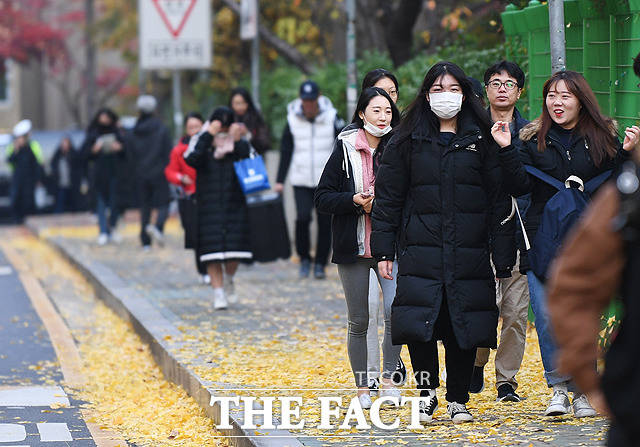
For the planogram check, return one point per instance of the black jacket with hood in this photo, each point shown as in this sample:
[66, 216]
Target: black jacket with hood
[440, 206]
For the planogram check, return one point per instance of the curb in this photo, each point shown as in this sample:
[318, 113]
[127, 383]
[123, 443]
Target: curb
[153, 327]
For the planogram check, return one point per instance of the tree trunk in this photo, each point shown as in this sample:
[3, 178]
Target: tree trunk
[282, 47]
[399, 31]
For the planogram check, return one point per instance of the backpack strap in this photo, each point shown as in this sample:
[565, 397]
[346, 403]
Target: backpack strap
[598, 180]
[557, 184]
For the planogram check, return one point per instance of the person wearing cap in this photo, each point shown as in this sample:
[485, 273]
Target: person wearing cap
[307, 142]
[24, 157]
[151, 147]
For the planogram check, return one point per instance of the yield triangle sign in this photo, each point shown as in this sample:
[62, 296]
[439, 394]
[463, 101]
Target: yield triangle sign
[174, 13]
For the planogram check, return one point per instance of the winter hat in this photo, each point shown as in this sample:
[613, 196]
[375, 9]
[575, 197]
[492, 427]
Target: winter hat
[22, 128]
[146, 103]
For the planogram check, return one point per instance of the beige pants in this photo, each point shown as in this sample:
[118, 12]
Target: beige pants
[512, 296]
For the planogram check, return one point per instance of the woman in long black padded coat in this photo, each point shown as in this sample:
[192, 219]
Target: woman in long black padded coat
[439, 206]
[223, 225]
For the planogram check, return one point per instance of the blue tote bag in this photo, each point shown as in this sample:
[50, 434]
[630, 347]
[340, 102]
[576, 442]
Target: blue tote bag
[252, 173]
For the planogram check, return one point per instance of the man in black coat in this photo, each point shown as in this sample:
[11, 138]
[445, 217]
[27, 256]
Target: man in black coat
[504, 82]
[151, 147]
[67, 169]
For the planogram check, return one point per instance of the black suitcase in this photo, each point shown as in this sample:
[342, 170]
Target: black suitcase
[268, 227]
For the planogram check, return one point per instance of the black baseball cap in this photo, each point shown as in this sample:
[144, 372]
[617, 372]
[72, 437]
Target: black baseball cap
[309, 90]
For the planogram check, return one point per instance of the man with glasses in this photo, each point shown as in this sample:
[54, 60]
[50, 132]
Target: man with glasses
[503, 83]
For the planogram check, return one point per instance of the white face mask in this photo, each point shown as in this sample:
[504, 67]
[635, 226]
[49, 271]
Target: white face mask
[375, 130]
[445, 105]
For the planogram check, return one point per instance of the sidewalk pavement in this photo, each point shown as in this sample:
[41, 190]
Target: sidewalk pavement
[285, 337]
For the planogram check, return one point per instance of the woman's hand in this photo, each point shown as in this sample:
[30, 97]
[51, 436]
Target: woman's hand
[501, 133]
[363, 200]
[237, 131]
[186, 180]
[97, 147]
[385, 268]
[116, 146]
[214, 127]
[631, 138]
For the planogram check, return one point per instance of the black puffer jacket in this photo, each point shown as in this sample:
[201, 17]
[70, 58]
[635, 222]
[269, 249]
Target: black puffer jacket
[151, 147]
[223, 225]
[442, 204]
[557, 160]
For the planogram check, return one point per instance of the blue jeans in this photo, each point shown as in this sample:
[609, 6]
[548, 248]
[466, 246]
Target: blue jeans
[104, 203]
[546, 340]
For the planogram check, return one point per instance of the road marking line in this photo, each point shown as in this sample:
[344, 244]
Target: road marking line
[5, 270]
[12, 433]
[34, 396]
[54, 432]
[65, 347]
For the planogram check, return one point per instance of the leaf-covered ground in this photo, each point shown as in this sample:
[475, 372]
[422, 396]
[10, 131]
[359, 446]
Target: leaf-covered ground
[288, 336]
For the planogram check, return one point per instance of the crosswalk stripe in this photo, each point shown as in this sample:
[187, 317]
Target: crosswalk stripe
[35, 396]
[54, 432]
[12, 433]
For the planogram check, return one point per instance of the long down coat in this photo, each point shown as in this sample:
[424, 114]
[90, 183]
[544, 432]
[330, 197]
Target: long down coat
[223, 223]
[440, 207]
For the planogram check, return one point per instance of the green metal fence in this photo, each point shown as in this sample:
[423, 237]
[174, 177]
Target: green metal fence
[602, 38]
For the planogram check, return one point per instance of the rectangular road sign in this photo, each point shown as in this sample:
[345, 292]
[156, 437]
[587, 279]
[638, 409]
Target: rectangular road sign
[174, 34]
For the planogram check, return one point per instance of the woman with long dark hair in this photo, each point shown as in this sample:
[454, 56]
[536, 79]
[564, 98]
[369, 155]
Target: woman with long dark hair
[438, 206]
[384, 79]
[245, 112]
[223, 222]
[346, 191]
[104, 147]
[570, 138]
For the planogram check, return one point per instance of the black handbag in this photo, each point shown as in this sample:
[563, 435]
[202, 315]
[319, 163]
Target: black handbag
[268, 227]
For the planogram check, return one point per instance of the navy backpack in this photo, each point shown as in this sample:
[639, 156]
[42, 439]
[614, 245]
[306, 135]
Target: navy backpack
[559, 214]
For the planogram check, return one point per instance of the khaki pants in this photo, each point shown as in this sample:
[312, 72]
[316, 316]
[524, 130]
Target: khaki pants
[512, 296]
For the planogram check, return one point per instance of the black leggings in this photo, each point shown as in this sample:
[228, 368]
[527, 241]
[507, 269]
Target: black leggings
[304, 206]
[459, 362]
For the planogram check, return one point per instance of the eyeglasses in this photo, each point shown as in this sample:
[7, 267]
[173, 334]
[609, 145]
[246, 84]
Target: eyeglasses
[509, 85]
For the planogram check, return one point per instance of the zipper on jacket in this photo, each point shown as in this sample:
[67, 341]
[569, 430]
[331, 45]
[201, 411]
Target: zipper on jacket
[313, 136]
[568, 155]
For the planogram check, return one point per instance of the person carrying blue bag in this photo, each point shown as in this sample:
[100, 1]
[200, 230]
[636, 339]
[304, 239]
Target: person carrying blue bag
[223, 223]
[562, 158]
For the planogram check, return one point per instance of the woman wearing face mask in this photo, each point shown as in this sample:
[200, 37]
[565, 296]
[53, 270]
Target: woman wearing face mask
[438, 204]
[182, 175]
[346, 191]
[252, 124]
[223, 225]
[570, 138]
[387, 81]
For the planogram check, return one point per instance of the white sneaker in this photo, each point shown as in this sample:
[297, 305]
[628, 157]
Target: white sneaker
[582, 408]
[115, 237]
[219, 300]
[155, 234]
[205, 279]
[559, 404]
[390, 392]
[459, 413]
[103, 239]
[230, 290]
[365, 401]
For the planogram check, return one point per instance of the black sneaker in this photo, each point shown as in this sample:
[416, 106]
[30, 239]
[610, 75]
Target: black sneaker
[399, 376]
[477, 380]
[459, 413]
[506, 393]
[305, 268]
[374, 385]
[428, 408]
[318, 272]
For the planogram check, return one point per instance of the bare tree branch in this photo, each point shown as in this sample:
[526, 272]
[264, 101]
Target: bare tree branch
[282, 47]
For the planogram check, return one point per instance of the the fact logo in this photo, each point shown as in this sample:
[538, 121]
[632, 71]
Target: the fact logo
[330, 411]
